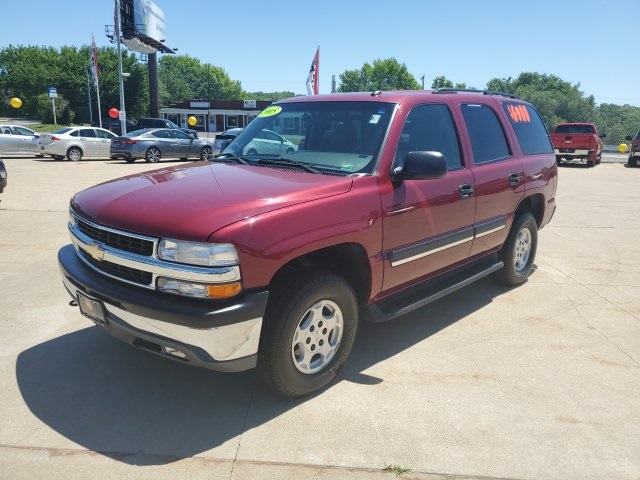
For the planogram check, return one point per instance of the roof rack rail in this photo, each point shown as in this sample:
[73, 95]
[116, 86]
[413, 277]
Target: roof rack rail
[473, 90]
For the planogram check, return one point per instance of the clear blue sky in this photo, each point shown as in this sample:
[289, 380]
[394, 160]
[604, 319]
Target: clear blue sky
[269, 46]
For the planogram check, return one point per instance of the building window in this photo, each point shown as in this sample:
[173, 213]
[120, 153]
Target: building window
[232, 121]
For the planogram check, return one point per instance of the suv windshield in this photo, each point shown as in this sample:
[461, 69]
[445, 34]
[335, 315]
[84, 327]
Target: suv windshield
[336, 136]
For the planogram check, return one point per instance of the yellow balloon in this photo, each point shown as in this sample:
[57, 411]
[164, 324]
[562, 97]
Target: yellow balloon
[15, 102]
[622, 148]
[192, 121]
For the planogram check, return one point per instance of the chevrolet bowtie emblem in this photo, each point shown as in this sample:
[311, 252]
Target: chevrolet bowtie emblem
[95, 251]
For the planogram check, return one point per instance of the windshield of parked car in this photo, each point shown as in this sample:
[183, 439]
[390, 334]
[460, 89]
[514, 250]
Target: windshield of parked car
[338, 136]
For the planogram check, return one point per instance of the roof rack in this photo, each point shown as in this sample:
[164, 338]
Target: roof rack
[473, 90]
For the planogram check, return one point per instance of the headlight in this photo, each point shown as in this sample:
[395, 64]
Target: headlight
[201, 254]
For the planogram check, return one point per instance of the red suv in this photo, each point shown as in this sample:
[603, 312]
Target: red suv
[271, 260]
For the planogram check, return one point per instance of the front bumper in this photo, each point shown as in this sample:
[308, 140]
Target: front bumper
[220, 336]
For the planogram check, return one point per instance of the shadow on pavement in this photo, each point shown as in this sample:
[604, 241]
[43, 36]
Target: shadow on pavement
[140, 409]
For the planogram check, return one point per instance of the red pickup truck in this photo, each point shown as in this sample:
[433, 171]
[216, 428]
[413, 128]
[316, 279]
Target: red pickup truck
[269, 256]
[579, 141]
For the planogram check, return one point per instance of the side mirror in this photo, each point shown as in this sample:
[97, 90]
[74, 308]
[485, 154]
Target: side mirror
[423, 165]
[628, 138]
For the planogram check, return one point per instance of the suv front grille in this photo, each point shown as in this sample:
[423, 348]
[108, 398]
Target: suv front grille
[119, 271]
[119, 241]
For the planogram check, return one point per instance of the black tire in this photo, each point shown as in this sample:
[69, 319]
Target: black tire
[558, 159]
[290, 150]
[633, 161]
[591, 163]
[153, 155]
[74, 154]
[297, 293]
[206, 153]
[519, 251]
[252, 151]
[57, 157]
[129, 159]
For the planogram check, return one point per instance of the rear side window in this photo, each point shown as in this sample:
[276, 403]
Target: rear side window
[87, 132]
[485, 132]
[574, 129]
[530, 130]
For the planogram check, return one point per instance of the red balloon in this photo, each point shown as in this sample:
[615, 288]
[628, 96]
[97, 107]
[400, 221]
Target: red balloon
[113, 112]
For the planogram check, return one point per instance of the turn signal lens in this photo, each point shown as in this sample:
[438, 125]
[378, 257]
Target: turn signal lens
[186, 288]
[226, 290]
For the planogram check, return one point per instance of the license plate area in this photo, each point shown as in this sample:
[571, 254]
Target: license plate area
[92, 309]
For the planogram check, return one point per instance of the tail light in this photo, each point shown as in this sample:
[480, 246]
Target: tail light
[55, 139]
[128, 141]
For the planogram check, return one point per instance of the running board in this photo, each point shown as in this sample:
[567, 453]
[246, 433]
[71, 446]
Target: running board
[418, 297]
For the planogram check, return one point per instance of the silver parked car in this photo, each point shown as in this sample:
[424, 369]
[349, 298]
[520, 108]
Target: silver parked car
[18, 140]
[223, 139]
[76, 142]
[154, 144]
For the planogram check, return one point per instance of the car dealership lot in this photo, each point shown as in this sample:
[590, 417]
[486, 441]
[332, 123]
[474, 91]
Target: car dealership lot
[541, 381]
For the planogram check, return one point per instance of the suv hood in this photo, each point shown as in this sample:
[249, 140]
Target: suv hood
[191, 202]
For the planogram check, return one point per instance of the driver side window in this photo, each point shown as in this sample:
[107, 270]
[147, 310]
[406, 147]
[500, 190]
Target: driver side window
[430, 128]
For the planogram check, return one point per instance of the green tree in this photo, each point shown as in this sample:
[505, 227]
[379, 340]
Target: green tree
[557, 100]
[27, 71]
[184, 78]
[443, 82]
[387, 74]
[272, 96]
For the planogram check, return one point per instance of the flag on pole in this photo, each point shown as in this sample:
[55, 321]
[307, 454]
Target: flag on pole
[94, 62]
[312, 78]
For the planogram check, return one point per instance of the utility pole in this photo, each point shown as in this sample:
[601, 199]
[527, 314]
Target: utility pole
[422, 78]
[123, 113]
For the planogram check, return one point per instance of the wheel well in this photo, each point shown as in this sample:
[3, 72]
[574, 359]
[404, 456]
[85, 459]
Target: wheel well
[347, 260]
[533, 204]
[75, 146]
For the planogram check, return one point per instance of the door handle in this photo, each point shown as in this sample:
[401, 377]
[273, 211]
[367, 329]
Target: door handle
[465, 190]
[514, 179]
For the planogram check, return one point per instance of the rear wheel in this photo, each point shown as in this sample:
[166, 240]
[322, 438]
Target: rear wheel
[74, 154]
[519, 251]
[152, 155]
[308, 333]
[252, 151]
[57, 157]
[206, 153]
[591, 163]
[129, 159]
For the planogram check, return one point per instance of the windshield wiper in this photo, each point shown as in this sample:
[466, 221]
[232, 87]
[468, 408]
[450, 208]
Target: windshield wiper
[288, 161]
[231, 156]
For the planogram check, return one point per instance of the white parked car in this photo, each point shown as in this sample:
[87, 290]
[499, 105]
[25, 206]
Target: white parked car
[267, 142]
[76, 142]
[18, 140]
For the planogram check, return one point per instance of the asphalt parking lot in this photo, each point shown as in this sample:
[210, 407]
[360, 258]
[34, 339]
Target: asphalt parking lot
[537, 382]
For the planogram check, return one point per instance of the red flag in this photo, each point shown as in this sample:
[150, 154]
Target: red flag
[314, 74]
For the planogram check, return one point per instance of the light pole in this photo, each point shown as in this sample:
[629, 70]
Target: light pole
[123, 113]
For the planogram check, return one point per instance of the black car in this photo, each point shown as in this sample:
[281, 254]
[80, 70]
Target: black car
[113, 125]
[634, 152]
[163, 123]
[3, 176]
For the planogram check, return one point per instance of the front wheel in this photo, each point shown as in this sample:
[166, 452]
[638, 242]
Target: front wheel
[309, 332]
[152, 155]
[206, 153]
[74, 154]
[519, 251]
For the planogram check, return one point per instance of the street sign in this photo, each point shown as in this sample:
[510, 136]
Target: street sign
[53, 93]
